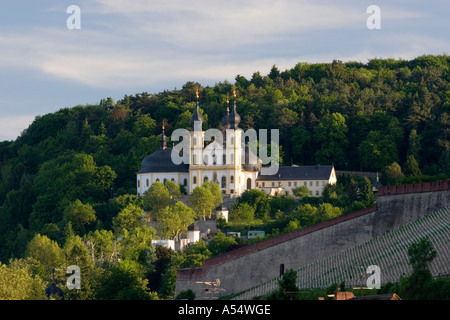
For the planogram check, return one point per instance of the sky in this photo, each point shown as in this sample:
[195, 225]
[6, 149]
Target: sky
[134, 46]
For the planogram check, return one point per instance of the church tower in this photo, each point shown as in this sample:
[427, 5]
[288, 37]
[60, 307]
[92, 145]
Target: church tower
[234, 150]
[197, 144]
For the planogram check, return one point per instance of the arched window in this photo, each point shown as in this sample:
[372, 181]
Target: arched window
[231, 179]
[157, 180]
[139, 183]
[281, 269]
[249, 183]
[205, 179]
[185, 182]
[224, 159]
[165, 180]
[194, 180]
[172, 179]
[224, 182]
[147, 183]
[195, 159]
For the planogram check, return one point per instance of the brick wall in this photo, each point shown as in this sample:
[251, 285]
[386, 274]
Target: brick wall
[414, 188]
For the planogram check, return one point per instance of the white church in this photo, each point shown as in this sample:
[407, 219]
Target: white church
[227, 163]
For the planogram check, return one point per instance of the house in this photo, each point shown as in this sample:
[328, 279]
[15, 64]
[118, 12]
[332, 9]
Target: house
[313, 177]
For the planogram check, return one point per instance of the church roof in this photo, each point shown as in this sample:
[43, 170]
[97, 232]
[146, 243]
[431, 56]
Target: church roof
[234, 118]
[300, 173]
[161, 161]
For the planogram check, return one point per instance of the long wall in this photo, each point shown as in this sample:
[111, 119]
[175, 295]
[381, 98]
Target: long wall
[252, 265]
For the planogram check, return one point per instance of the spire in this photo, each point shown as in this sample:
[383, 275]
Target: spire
[225, 121]
[234, 118]
[163, 140]
[196, 116]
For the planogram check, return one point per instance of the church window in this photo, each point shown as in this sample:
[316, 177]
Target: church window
[172, 179]
[147, 183]
[281, 269]
[139, 183]
[157, 180]
[195, 159]
[224, 159]
[231, 179]
[224, 182]
[185, 182]
[194, 180]
[232, 158]
[165, 180]
[205, 179]
[249, 183]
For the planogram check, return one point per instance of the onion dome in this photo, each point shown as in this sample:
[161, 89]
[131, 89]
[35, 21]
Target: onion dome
[161, 159]
[234, 118]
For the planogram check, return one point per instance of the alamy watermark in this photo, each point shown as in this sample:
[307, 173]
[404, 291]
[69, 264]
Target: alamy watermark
[74, 280]
[374, 280]
[73, 22]
[216, 153]
[374, 20]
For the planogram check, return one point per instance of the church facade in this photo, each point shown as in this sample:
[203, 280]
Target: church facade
[228, 162]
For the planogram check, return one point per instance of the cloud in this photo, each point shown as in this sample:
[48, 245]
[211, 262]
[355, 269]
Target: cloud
[12, 126]
[137, 42]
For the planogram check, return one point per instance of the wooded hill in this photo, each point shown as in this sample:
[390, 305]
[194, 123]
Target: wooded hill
[357, 116]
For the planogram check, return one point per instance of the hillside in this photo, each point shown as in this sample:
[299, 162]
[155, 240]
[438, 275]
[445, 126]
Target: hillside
[357, 116]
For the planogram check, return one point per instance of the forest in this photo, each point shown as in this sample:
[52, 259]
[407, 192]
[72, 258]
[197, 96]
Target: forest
[68, 182]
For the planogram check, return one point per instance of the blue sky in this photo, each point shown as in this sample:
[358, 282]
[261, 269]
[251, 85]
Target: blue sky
[128, 47]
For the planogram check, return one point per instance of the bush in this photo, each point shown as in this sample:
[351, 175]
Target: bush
[186, 295]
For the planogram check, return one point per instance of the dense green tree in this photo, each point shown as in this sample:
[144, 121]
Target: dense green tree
[412, 167]
[129, 218]
[301, 192]
[79, 215]
[123, 281]
[392, 174]
[242, 213]
[157, 197]
[259, 200]
[17, 283]
[46, 252]
[367, 193]
[331, 135]
[377, 151]
[219, 243]
[205, 198]
[172, 221]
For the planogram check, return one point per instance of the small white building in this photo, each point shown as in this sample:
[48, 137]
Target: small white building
[313, 177]
[193, 233]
